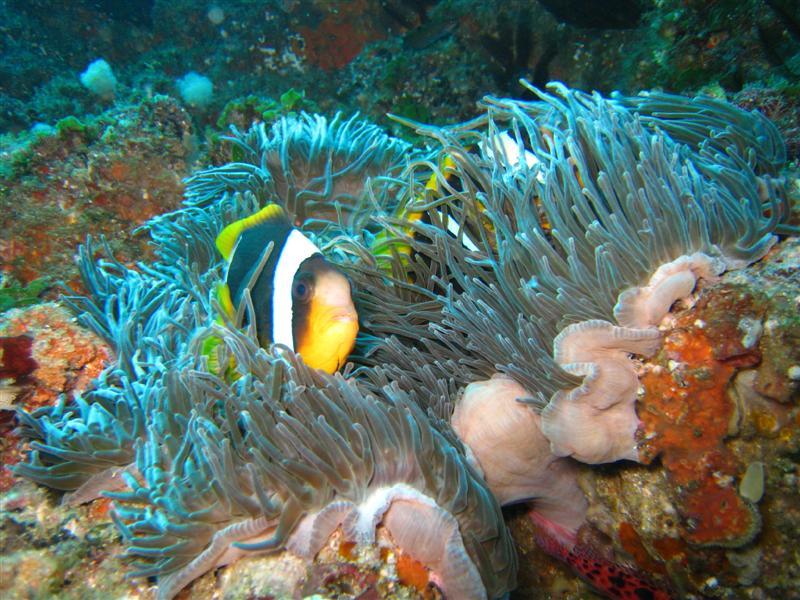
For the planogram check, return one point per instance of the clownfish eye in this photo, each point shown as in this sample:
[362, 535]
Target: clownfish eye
[301, 290]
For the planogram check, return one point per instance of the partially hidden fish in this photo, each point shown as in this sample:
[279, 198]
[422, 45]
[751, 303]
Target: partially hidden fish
[613, 581]
[415, 211]
[501, 148]
[300, 300]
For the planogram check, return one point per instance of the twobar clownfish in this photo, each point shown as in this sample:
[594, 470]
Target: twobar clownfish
[414, 211]
[299, 299]
[424, 209]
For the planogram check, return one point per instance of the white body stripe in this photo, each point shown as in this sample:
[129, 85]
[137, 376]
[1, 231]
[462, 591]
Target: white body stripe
[453, 227]
[296, 249]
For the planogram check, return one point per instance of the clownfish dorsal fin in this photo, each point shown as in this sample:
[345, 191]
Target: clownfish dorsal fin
[226, 240]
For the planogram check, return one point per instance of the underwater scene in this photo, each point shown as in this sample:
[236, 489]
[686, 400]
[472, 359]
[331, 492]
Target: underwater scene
[414, 299]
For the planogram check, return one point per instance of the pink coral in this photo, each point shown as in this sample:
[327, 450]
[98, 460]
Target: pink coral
[506, 443]
[68, 356]
[597, 421]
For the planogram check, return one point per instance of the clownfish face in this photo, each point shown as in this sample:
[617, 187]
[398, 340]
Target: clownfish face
[324, 320]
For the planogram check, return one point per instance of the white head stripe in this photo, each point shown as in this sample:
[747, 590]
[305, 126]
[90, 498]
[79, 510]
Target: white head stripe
[296, 249]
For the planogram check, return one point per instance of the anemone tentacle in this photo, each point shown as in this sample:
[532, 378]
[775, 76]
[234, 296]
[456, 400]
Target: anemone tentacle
[319, 440]
[317, 168]
[572, 202]
[710, 126]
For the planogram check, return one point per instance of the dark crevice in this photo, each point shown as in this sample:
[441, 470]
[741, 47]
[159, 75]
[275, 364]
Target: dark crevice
[612, 14]
[789, 20]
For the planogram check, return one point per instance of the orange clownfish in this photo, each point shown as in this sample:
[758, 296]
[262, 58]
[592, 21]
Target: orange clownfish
[300, 300]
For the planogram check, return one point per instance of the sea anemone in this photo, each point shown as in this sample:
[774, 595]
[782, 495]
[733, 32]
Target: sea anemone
[285, 456]
[579, 213]
[276, 458]
[504, 303]
[316, 167]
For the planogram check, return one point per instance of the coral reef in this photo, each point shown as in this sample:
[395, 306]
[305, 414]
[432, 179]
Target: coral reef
[62, 360]
[425, 60]
[781, 105]
[339, 37]
[524, 286]
[686, 415]
[67, 357]
[695, 43]
[581, 308]
[14, 295]
[49, 549]
[101, 177]
[708, 425]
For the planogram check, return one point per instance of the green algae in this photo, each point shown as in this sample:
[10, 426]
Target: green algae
[15, 295]
[243, 111]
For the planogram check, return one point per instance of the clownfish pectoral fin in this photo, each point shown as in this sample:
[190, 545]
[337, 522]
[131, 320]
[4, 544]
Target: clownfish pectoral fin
[209, 350]
[224, 298]
[226, 240]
